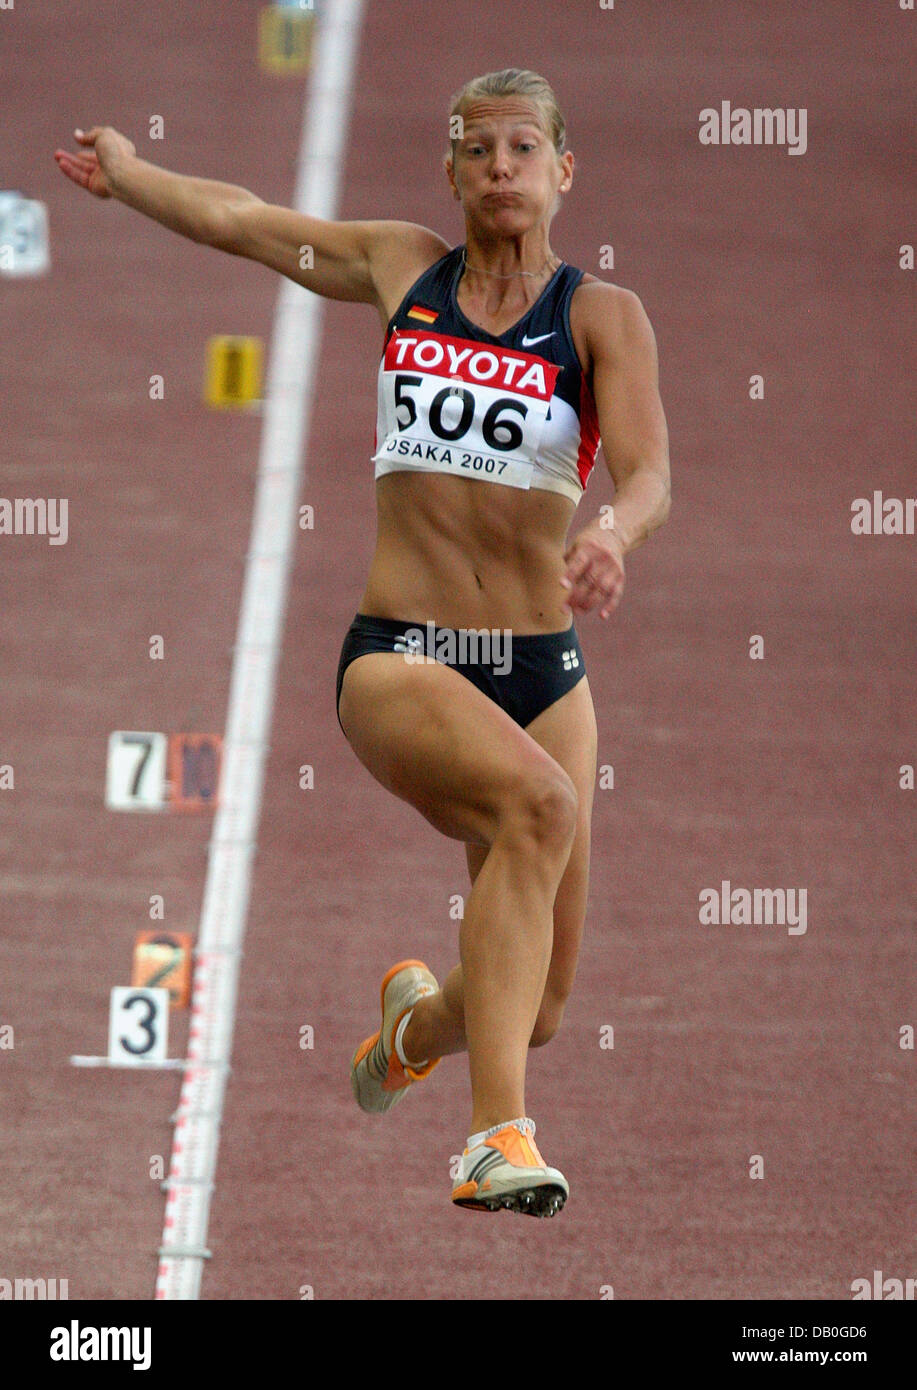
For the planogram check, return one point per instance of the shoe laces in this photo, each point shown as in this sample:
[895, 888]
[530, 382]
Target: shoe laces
[523, 1124]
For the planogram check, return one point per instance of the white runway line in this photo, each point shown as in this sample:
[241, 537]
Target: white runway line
[288, 406]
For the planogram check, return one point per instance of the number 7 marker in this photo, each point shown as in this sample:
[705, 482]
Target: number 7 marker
[136, 773]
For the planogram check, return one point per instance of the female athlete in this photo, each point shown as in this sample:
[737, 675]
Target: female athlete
[461, 684]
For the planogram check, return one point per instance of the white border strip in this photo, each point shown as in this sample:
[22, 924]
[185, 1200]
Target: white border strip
[288, 408]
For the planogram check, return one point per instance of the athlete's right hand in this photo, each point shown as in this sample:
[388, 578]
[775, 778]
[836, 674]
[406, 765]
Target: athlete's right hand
[91, 169]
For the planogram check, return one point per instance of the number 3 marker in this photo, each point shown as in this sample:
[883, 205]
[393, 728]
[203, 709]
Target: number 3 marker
[138, 1026]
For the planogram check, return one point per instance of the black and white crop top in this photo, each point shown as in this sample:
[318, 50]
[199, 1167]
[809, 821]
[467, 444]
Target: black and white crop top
[453, 398]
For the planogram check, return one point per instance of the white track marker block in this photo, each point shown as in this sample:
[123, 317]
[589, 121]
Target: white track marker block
[136, 775]
[23, 236]
[138, 1026]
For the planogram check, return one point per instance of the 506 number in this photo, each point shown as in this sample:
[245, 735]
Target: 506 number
[505, 434]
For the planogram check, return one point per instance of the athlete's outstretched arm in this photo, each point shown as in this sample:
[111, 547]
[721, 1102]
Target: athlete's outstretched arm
[108, 167]
[341, 260]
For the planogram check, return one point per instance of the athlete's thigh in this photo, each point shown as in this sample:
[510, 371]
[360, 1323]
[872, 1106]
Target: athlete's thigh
[432, 738]
[566, 730]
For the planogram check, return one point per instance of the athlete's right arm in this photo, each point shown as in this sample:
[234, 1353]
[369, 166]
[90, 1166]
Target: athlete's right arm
[361, 261]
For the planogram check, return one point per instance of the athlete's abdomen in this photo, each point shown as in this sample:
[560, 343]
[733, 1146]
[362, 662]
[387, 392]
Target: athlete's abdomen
[468, 556]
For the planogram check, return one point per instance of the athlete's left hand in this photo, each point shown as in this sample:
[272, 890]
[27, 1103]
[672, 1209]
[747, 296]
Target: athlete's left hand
[595, 571]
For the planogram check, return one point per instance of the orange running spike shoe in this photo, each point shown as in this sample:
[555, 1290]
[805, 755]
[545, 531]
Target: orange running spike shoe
[506, 1170]
[376, 1075]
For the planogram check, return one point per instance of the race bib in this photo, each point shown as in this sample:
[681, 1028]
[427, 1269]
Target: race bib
[453, 405]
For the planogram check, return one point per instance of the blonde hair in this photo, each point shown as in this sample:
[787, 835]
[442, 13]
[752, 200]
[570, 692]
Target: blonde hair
[515, 82]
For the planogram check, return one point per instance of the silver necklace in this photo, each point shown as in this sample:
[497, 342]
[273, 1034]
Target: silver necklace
[533, 274]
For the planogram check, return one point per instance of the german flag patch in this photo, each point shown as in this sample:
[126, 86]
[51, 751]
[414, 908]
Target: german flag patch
[418, 311]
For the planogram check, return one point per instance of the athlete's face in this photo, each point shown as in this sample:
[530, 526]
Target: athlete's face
[506, 171]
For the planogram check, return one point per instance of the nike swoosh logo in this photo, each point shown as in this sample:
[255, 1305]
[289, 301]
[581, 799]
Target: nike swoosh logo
[530, 342]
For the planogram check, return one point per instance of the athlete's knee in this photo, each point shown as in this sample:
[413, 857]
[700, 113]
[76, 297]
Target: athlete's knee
[550, 1017]
[543, 810]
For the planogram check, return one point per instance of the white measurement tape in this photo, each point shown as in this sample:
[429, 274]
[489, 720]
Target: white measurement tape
[288, 406]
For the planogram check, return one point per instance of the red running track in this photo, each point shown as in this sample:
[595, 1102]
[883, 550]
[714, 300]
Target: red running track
[729, 1041]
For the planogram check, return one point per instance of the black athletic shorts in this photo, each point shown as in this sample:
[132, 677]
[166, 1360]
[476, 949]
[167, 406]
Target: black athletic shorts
[523, 675]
